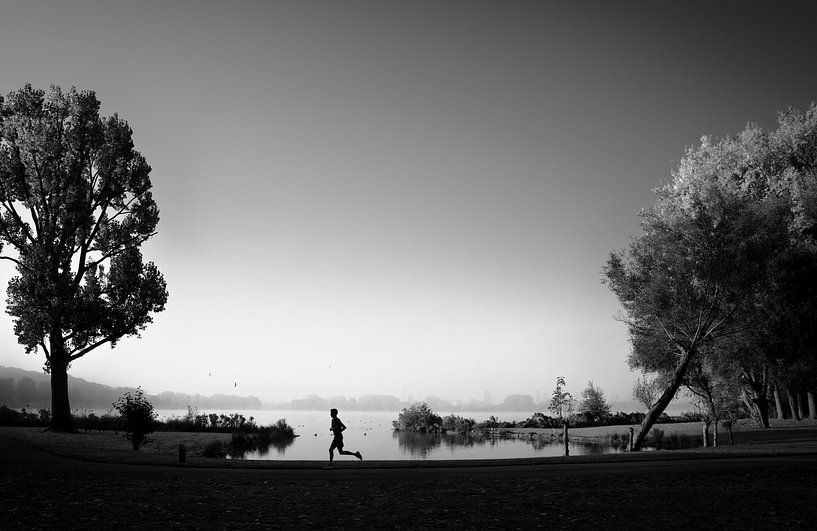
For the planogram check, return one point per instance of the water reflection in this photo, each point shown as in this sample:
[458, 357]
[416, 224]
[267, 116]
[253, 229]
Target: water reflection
[422, 445]
[244, 446]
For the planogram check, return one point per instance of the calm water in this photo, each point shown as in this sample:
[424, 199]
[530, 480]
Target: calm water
[370, 432]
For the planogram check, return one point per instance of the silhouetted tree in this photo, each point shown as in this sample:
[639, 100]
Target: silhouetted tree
[136, 416]
[75, 207]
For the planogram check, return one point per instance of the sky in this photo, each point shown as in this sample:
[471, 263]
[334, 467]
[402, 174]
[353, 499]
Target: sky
[405, 198]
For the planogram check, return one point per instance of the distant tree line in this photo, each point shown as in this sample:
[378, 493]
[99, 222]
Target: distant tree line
[513, 402]
[719, 291]
[29, 389]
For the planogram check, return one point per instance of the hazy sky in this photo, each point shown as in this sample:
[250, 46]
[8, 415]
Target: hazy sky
[410, 198]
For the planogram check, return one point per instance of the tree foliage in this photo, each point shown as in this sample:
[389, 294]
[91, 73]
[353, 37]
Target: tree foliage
[417, 417]
[561, 401]
[75, 207]
[593, 404]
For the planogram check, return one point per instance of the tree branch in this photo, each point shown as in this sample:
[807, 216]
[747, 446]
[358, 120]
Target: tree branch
[46, 213]
[45, 349]
[134, 242]
[89, 348]
[10, 259]
[125, 208]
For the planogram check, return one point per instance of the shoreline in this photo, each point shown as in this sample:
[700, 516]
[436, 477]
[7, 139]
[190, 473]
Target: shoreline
[162, 450]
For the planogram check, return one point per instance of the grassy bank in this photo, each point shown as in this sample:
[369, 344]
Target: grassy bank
[109, 446]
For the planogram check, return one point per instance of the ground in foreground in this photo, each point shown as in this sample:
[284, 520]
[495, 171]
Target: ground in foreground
[40, 489]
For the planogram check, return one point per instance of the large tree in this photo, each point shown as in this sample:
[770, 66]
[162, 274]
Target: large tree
[706, 244]
[75, 207]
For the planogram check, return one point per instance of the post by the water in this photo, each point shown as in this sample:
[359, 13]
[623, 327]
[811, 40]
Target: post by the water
[565, 435]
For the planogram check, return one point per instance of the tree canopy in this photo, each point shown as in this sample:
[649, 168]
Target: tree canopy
[75, 207]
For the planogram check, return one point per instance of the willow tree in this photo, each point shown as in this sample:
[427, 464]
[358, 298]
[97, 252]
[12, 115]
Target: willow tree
[687, 280]
[75, 207]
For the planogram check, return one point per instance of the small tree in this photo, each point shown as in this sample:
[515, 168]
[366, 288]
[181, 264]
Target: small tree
[593, 404]
[561, 402]
[136, 416]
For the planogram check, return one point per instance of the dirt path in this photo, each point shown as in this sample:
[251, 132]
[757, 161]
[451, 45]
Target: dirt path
[41, 490]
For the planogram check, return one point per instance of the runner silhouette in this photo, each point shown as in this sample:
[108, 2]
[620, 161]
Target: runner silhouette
[337, 440]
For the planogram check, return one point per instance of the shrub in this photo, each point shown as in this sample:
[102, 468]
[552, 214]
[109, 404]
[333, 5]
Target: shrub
[280, 431]
[91, 421]
[457, 424]
[493, 423]
[540, 420]
[136, 416]
[214, 449]
[12, 417]
[417, 417]
[279, 435]
[212, 422]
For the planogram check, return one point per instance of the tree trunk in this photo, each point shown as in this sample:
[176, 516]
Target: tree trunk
[792, 404]
[60, 406]
[758, 406]
[567, 438]
[778, 402]
[705, 430]
[812, 405]
[666, 397]
[802, 407]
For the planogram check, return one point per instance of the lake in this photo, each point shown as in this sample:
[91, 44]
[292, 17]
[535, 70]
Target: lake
[371, 433]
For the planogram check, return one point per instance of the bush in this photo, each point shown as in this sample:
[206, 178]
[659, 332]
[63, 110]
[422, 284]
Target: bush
[279, 435]
[540, 420]
[203, 422]
[91, 421]
[493, 423]
[457, 424]
[214, 449]
[24, 417]
[417, 417]
[278, 432]
[136, 416]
